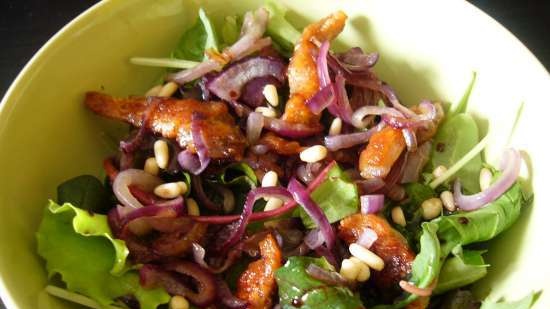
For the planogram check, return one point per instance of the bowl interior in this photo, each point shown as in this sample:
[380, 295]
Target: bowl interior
[47, 136]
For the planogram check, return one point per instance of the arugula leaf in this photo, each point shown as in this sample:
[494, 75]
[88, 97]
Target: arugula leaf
[425, 267]
[482, 224]
[295, 284]
[416, 193]
[524, 303]
[337, 196]
[79, 246]
[279, 29]
[85, 191]
[454, 139]
[461, 270]
[196, 40]
[239, 174]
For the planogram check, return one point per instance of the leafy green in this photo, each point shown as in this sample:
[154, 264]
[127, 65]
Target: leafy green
[79, 246]
[337, 196]
[238, 174]
[482, 224]
[196, 40]
[231, 29]
[461, 270]
[524, 303]
[462, 105]
[278, 28]
[85, 191]
[454, 139]
[426, 265]
[416, 193]
[295, 284]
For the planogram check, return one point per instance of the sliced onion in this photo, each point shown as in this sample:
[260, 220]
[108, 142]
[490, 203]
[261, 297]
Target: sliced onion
[227, 298]
[371, 185]
[199, 254]
[372, 203]
[367, 238]
[185, 159]
[292, 130]
[342, 108]
[341, 141]
[392, 97]
[410, 139]
[307, 172]
[322, 66]
[135, 177]
[324, 98]
[260, 149]
[254, 126]
[302, 197]
[231, 81]
[405, 123]
[510, 166]
[177, 206]
[329, 277]
[251, 198]
[193, 73]
[358, 117]
[429, 111]
[356, 60]
[314, 239]
[416, 162]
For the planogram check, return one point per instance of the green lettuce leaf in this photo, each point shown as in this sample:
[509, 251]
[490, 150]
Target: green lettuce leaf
[524, 303]
[462, 105]
[78, 245]
[337, 196]
[239, 174]
[85, 191]
[295, 284]
[461, 270]
[278, 28]
[231, 29]
[196, 40]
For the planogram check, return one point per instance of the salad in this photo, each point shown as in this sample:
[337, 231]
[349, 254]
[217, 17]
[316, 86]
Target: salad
[268, 170]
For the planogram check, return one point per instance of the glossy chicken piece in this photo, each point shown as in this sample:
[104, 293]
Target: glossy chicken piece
[390, 246]
[171, 118]
[302, 71]
[280, 145]
[256, 285]
[383, 149]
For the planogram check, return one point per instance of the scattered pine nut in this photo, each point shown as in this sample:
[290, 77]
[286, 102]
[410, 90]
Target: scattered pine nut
[448, 200]
[398, 216]
[162, 153]
[192, 207]
[270, 94]
[151, 166]
[313, 154]
[431, 208]
[168, 89]
[366, 256]
[439, 170]
[335, 127]
[485, 178]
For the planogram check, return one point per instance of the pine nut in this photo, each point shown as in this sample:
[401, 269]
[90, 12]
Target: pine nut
[485, 178]
[154, 91]
[366, 256]
[192, 207]
[448, 200]
[266, 111]
[179, 302]
[171, 190]
[168, 89]
[431, 208]
[349, 270]
[270, 94]
[313, 154]
[335, 127]
[364, 273]
[151, 166]
[273, 203]
[228, 200]
[270, 179]
[439, 170]
[162, 154]
[398, 216]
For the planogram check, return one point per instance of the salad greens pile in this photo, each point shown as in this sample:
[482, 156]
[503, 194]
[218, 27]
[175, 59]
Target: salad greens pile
[77, 238]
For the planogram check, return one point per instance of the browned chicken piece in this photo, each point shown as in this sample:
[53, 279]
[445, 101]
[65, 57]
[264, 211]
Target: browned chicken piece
[383, 150]
[425, 134]
[262, 164]
[280, 145]
[171, 118]
[390, 246]
[303, 80]
[257, 284]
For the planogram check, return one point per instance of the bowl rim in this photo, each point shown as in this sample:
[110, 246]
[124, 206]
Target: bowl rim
[8, 102]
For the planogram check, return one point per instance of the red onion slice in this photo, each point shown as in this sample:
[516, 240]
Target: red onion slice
[341, 141]
[254, 126]
[292, 130]
[314, 239]
[392, 97]
[369, 186]
[416, 162]
[510, 166]
[371, 203]
[227, 298]
[135, 177]
[367, 238]
[356, 60]
[405, 123]
[186, 158]
[251, 198]
[322, 99]
[342, 108]
[302, 197]
[410, 139]
[358, 117]
[329, 277]
[322, 66]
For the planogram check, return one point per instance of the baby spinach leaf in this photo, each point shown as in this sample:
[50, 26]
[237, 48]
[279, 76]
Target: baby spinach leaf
[231, 29]
[238, 174]
[196, 40]
[455, 138]
[296, 286]
[524, 303]
[278, 28]
[426, 265]
[79, 247]
[462, 105]
[461, 270]
[337, 196]
[86, 192]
